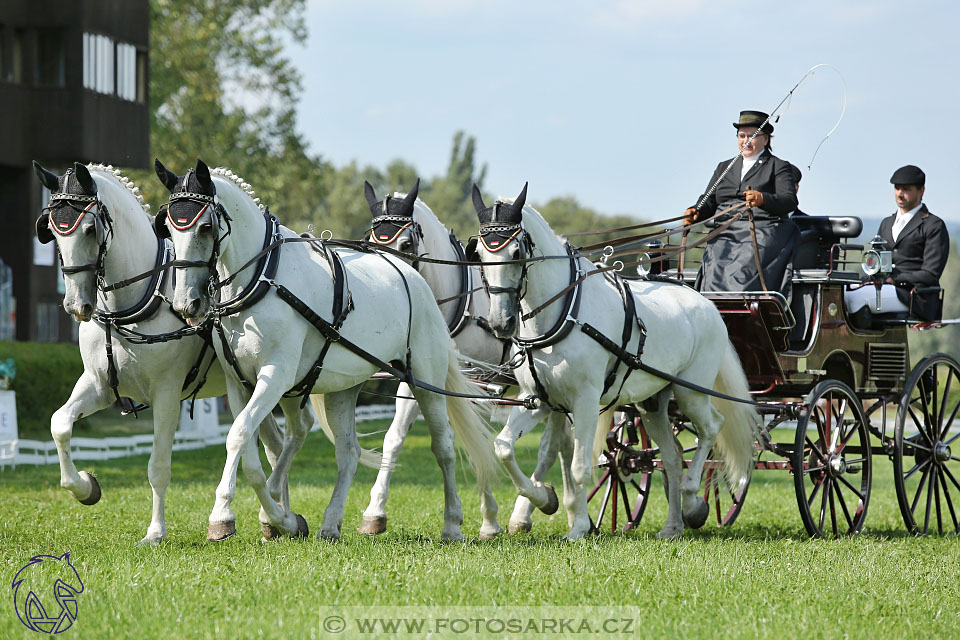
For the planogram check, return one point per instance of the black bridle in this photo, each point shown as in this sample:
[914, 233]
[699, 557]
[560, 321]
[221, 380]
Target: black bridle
[496, 237]
[386, 229]
[184, 222]
[82, 205]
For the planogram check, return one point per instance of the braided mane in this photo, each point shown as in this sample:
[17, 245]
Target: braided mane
[240, 182]
[125, 181]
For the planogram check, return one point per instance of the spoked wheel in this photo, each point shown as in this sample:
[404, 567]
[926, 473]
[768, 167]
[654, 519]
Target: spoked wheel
[624, 486]
[724, 504]
[832, 461]
[926, 469]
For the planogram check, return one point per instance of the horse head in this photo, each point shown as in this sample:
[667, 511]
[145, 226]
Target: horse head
[192, 219]
[78, 222]
[503, 243]
[393, 224]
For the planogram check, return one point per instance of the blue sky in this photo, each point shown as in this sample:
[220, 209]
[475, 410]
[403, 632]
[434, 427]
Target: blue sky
[627, 105]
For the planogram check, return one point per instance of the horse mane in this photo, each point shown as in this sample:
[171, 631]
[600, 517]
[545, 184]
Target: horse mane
[242, 184]
[425, 216]
[534, 217]
[124, 180]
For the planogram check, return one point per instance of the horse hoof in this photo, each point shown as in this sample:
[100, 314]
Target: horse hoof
[373, 526]
[269, 531]
[552, 502]
[95, 494]
[220, 531]
[519, 527]
[698, 515]
[491, 534]
[303, 531]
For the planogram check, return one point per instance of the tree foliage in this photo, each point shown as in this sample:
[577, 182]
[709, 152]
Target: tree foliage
[222, 89]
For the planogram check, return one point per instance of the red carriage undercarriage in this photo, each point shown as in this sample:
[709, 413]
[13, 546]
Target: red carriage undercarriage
[848, 394]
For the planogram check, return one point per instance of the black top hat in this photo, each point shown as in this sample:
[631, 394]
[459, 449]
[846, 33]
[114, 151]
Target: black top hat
[754, 119]
[909, 174]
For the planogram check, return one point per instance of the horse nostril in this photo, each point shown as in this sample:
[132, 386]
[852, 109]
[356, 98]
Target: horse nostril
[86, 309]
[193, 307]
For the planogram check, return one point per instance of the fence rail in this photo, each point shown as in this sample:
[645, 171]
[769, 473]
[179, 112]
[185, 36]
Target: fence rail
[38, 452]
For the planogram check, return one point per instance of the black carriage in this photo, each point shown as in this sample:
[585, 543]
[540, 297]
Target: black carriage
[837, 386]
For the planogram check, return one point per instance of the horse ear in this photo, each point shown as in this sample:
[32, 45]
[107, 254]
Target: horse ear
[167, 177]
[44, 235]
[203, 173]
[521, 199]
[84, 177]
[370, 194]
[47, 179]
[160, 225]
[478, 199]
[412, 196]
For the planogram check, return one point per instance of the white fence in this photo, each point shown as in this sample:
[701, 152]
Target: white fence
[36, 452]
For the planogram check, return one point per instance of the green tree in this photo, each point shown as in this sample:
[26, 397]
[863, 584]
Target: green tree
[222, 89]
[450, 195]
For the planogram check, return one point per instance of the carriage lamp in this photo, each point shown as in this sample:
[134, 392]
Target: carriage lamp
[877, 259]
[645, 264]
[877, 263]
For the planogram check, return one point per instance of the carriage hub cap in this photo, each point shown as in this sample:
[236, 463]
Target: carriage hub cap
[836, 466]
[941, 452]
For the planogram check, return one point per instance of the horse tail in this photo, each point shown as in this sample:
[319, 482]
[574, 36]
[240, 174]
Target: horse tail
[470, 424]
[368, 457]
[741, 422]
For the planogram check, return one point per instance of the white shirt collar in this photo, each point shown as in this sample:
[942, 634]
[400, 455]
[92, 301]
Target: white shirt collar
[909, 214]
[749, 162]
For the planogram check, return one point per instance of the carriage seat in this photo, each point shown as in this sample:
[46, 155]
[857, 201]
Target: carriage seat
[818, 234]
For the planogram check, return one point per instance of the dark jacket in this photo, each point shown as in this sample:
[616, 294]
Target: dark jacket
[771, 176]
[919, 257]
[729, 261]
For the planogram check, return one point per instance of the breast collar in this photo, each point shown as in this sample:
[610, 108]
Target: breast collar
[571, 303]
[266, 271]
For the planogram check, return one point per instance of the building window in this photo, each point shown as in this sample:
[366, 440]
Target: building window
[16, 57]
[51, 60]
[98, 64]
[141, 76]
[127, 71]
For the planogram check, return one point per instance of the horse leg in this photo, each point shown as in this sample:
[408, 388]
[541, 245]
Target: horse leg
[434, 409]
[658, 427]
[583, 463]
[375, 516]
[341, 413]
[267, 392]
[273, 441]
[521, 421]
[166, 419]
[550, 442]
[565, 453]
[84, 400]
[708, 421]
[298, 423]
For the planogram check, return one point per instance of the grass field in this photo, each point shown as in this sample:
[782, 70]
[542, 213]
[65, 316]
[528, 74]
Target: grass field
[760, 578]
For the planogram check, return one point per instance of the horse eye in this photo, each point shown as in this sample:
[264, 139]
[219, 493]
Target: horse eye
[205, 227]
[515, 252]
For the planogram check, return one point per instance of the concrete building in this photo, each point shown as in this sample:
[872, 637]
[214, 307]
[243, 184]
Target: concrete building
[73, 88]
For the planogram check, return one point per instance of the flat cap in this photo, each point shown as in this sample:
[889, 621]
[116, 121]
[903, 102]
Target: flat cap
[909, 174]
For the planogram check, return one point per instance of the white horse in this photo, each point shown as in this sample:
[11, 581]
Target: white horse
[386, 307]
[570, 370]
[412, 227]
[103, 235]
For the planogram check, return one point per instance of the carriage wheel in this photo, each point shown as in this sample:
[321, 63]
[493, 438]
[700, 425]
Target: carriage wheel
[926, 471]
[724, 504]
[621, 493]
[832, 462]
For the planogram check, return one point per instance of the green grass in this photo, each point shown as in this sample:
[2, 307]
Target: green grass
[762, 577]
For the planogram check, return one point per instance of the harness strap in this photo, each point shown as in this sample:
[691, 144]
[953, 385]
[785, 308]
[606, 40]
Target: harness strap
[566, 320]
[541, 390]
